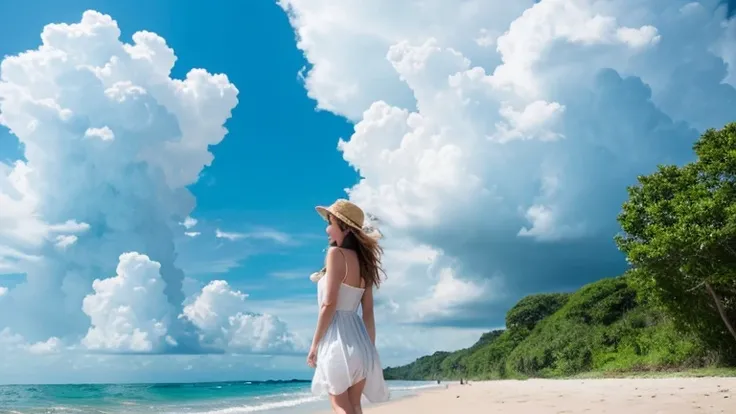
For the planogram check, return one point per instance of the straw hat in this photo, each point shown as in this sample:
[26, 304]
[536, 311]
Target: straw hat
[351, 215]
[346, 211]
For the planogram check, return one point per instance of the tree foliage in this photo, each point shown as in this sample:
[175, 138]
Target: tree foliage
[679, 234]
[532, 309]
[601, 327]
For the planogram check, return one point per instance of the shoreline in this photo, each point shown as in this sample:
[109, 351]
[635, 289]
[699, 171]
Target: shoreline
[680, 395]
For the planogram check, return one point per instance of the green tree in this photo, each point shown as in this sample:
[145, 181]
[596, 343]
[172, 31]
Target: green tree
[679, 233]
[532, 309]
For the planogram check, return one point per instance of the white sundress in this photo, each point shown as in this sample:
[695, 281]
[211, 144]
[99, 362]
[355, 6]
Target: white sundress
[346, 355]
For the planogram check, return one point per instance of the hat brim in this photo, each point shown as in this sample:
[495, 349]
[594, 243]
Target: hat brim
[325, 212]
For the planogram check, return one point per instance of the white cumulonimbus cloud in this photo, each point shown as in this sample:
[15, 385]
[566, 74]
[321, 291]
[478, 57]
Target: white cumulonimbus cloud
[110, 143]
[501, 136]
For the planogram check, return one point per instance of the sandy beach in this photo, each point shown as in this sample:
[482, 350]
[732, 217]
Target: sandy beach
[627, 396]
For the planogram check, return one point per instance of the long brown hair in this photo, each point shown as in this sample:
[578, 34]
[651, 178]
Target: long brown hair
[368, 250]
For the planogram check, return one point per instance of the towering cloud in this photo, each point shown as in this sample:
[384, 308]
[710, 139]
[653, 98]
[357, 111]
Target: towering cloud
[110, 144]
[501, 136]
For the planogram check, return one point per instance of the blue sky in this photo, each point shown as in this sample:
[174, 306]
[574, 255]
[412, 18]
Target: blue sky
[279, 159]
[493, 141]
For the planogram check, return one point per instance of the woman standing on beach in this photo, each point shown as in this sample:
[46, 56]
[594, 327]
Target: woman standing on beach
[343, 349]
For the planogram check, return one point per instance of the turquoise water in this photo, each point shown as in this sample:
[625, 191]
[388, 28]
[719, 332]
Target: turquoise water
[283, 397]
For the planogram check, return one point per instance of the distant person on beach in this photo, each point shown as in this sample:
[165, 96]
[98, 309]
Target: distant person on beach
[343, 348]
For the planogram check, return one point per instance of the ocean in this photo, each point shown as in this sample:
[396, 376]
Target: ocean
[268, 397]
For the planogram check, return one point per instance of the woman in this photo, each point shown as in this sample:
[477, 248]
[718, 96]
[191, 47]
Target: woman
[343, 348]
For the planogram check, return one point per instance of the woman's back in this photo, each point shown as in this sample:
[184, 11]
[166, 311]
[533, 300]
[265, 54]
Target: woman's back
[350, 293]
[352, 268]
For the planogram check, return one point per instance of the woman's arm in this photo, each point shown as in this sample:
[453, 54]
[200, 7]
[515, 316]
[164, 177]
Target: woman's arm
[368, 318]
[335, 263]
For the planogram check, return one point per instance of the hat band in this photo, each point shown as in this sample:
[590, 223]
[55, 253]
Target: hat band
[345, 218]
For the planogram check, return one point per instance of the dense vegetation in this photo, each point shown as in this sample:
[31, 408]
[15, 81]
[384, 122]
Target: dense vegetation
[602, 327]
[674, 309]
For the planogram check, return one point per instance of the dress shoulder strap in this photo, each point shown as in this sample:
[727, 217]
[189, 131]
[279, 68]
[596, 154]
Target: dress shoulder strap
[345, 259]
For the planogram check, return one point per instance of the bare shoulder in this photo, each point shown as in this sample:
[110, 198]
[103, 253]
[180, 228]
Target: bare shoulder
[334, 251]
[335, 257]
